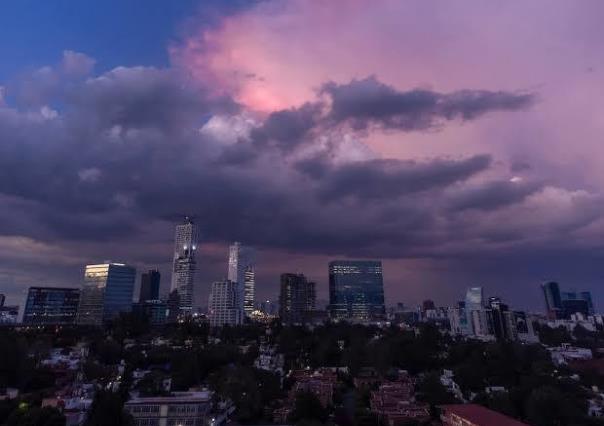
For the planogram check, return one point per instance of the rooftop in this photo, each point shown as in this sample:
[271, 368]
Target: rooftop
[479, 415]
[174, 397]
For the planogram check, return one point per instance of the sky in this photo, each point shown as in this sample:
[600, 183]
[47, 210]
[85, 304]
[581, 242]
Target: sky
[460, 143]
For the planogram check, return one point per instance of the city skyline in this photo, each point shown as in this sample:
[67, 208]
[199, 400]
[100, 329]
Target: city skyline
[458, 145]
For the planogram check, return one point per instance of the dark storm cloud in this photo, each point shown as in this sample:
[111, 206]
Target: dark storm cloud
[367, 102]
[145, 97]
[494, 194]
[375, 179]
[288, 128]
[125, 150]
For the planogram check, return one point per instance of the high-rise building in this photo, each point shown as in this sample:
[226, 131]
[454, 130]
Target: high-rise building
[242, 270]
[574, 301]
[51, 305]
[586, 295]
[575, 306]
[523, 328]
[553, 299]
[185, 265]
[106, 291]
[296, 299]
[458, 319]
[173, 307]
[223, 304]
[356, 289]
[153, 310]
[501, 319]
[150, 282]
[428, 305]
[476, 315]
[8, 314]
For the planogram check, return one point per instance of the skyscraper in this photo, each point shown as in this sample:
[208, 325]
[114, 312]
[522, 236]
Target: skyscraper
[501, 319]
[106, 291]
[586, 295]
[223, 304]
[8, 314]
[184, 266]
[51, 305]
[150, 282]
[242, 270]
[356, 289]
[476, 315]
[574, 306]
[574, 301]
[458, 318]
[553, 300]
[296, 299]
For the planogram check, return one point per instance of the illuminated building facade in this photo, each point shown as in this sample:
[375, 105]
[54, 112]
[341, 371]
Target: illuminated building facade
[296, 299]
[242, 270]
[51, 306]
[106, 291]
[185, 265]
[223, 304]
[356, 290]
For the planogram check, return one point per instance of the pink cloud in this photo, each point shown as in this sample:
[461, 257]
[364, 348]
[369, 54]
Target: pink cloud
[277, 54]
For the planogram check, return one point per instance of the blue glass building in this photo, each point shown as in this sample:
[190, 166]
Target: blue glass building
[356, 290]
[51, 306]
[107, 291]
[578, 301]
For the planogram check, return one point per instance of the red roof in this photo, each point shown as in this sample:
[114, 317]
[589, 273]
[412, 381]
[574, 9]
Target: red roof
[479, 415]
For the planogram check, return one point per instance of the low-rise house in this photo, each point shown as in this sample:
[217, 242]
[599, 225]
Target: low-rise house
[566, 354]
[179, 408]
[394, 402]
[269, 359]
[8, 393]
[367, 379]
[321, 383]
[446, 379]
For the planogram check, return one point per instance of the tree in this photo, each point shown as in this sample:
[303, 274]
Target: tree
[433, 392]
[548, 406]
[6, 408]
[109, 351]
[502, 403]
[553, 336]
[108, 409]
[308, 408]
[25, 415]
[249, 389]
[152, 384]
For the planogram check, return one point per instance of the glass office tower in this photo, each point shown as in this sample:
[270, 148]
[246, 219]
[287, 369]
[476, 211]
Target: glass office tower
[356, 290]
[150, 282]
[578, 300]
[475, 311]
[185, 264]
[242, 270]
[553, 299]
[586, 295]
[297, 298]
[107, 291]
[51, 306]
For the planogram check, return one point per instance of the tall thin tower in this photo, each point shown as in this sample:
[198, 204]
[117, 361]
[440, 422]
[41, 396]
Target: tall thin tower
[242, 270]
[184, 266]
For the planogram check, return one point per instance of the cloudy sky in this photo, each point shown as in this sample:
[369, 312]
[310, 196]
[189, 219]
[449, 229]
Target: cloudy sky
[461, 143]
